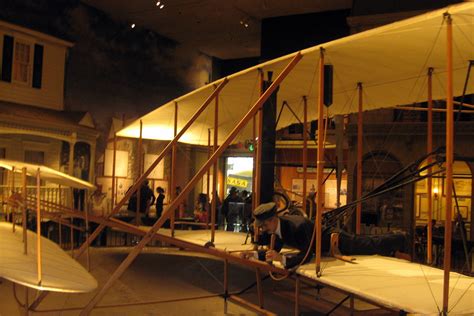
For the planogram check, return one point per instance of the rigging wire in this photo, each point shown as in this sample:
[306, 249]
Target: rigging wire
[466, 81]
[378, 165]
[371, 152]
[313, 237]
[439, 137]
[460, 298]
[389, 134]
[429, 287]
[424, 66]
[339, 80]
[464, 34]
[209, 273]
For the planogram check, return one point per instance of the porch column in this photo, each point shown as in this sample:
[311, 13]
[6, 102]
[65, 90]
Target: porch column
[92, 163]
[72, 143]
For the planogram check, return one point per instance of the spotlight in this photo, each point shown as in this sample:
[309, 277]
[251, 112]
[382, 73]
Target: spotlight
[245, 22]
[132, 25]
[158, 3]
[162, 6]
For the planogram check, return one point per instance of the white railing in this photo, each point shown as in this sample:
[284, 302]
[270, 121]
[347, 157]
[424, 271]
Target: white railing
[56, 195]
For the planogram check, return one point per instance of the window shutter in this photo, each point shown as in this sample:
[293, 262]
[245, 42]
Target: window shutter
[7, 60]
[38, 66]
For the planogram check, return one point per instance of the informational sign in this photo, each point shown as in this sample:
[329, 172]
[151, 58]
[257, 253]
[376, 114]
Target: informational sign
[236, 182]
[238, 173]
[330, 191]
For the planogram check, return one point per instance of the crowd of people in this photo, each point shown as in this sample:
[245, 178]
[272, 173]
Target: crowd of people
[236, 207]
[291, 230]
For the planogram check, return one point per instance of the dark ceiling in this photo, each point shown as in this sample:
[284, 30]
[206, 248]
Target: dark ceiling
[226, 29]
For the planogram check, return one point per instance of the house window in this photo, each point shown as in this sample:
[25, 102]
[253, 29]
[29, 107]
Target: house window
[22, 62]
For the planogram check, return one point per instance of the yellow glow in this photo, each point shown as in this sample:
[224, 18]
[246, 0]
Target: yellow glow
[196, 134]
[47, 173]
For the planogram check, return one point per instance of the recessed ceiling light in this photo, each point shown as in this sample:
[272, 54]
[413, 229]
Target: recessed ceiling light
[158, 3]
[132, 25]
[162, 6]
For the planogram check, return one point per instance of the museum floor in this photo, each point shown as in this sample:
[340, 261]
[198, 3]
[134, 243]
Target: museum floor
[165, 274]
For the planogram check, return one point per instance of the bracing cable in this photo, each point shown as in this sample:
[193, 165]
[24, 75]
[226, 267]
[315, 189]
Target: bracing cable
[431, 290]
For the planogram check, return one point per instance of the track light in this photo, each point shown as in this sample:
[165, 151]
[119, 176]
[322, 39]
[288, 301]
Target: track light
[132, 25]
[158, 3]
[245, 22]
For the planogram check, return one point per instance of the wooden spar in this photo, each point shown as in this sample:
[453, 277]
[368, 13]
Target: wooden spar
[258, 277]
[13, 180]
[429, 149]
[198, 176]
[86, 209]
[23, 211]
[114, 157]
[254, 156]
[320, 164]
[449, 162]
[463, 104]
[38, 227]
[259, 311]
[139, 158]
[305, 151]
[173, 167]
[12, 210]
[208, 173]
[132, 229]
[360, 131]
[56, 200]
[214, 171]
[164, 152]
[59, 222]
[71, 194]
